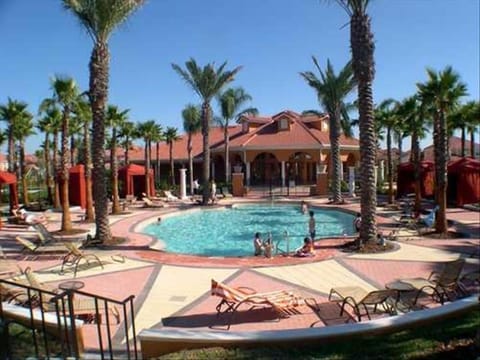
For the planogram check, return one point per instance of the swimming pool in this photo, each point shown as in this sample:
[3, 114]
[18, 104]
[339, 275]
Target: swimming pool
[229, 232]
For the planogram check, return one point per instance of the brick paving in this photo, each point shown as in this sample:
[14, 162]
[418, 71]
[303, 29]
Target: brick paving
[174, 290]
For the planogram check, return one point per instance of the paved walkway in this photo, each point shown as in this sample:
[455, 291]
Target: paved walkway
[174, 290]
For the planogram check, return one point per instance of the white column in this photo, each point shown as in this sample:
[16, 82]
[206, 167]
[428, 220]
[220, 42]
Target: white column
[283, 173]
[341, 171]
[351, 181]
[376, 175]
[381, 171]
[247, 175]
[183, 183]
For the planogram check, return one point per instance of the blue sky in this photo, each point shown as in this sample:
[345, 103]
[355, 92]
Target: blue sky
[272, 39]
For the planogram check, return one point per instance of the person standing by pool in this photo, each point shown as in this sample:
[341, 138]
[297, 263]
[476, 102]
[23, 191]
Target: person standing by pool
[213, 191]
[258, 244]
[304, 207]
[357, 222]
[312, 225]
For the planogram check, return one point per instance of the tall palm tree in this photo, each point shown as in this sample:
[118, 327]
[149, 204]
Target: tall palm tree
[473, 124]
[231, 102]
[171, 135]
[441, 92]
[65, 94]
[127, 132]
[332, 91]
[191, 125]
[362, 46]
[150, 132]
[83, 115]
[23, 129]
[463, 118]
[386, 118]
[100, 18]
[114, 119]
[206, 82]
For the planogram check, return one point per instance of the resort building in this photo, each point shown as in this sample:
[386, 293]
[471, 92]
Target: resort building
[268, 150]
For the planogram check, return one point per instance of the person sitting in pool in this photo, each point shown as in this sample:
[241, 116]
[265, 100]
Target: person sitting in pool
[268, 246]
[258, 244]
[307, 249]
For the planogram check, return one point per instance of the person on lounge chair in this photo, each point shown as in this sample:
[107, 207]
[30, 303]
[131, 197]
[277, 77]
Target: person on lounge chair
[307, 249]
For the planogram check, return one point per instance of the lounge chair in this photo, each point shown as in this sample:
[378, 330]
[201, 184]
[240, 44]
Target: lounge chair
[170, 196]
[359, 298]
[226, 192]
[282, 301]
[439, 285]
[37, 249]
[75, 256]
[80, 306]
[150, 204]
[43, 234]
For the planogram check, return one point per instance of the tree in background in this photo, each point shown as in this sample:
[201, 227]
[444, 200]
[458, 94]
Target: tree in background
[150, 132]
[206, 82]
[23, 128]
[191, 125]
[171, 135]
[231, 102]
[332, 90]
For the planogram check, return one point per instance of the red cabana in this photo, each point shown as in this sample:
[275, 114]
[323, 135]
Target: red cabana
[77, 188]
[132, 180]
[406, 181]
[464, 181]
[10, 179]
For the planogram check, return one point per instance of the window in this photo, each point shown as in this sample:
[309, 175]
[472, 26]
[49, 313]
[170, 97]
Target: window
[283, 124]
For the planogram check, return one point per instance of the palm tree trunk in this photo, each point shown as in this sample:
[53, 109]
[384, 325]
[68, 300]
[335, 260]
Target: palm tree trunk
[335, 155]
[56, 203]
[147, 167]
[472, 143]
[190, 162]
[463, 141]
[11, 149]
[172, 169]
[114, 163]
[127, 158]
[362, 46]
[389, 165]
[99, 65]
[47, 169]
[89, 215]
[441, 218]
[24, 173]
[64, 174]
[72, 150]
[206, 150]
[227, 150]
[415, 151]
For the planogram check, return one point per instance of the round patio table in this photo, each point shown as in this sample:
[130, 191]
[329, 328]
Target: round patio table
[71, 285]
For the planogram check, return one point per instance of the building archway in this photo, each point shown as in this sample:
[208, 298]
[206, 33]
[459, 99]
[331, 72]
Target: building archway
[218, 171]
[265, 169]
[302, 168]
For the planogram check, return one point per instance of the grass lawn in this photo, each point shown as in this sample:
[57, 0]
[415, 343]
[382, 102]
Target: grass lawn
[449, 339]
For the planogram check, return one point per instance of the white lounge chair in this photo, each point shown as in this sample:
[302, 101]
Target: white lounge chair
[170, 196]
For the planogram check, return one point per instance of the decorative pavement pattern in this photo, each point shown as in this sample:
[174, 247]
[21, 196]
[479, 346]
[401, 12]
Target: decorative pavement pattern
[174, 290]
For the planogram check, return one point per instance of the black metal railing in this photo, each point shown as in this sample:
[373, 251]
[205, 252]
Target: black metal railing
[46, 313]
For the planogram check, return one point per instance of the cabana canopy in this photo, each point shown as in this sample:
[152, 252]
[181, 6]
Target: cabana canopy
[464, 181]
[132, 180]
[406, 180]
[77, 186]
[10, 179]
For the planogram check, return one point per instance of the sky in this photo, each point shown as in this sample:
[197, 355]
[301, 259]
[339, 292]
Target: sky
[273, 40]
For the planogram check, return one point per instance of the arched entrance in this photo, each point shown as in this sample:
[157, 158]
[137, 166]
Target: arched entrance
[301, 168]
[265, 170]
[218, 168]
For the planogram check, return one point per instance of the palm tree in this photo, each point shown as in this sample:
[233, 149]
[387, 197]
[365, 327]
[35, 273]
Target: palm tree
[127, 132]
[386, 118]
[331, 92]
[12, 112]
[114, 119]
[362, 46]
[207, 82]
[149, 131]
[65, 94]
[441, 92]
[473, 123]
[170, 136]
[411, 114]
[230, 102]
[191, 125]
[463, 118]
[23, 129]
[100, 18]
[45, 125]
[83, 115]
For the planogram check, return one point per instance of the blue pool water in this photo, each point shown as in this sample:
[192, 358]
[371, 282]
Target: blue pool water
[230, 231]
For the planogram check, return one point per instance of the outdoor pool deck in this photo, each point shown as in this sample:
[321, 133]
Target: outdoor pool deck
[173, 291]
